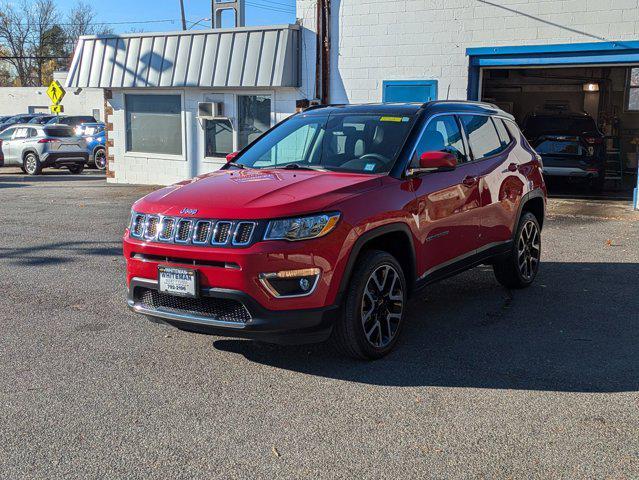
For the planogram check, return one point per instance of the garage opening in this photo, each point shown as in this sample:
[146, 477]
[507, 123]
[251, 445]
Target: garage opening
[584, 121]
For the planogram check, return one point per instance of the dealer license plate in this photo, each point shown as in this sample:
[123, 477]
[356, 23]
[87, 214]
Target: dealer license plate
[178, 281]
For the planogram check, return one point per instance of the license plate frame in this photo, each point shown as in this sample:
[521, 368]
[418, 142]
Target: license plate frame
[172, 281]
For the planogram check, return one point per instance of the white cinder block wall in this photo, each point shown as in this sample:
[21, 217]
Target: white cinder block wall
[155, 169]
[376, 40]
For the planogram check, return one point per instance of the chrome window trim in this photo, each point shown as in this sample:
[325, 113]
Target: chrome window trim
[237, 229]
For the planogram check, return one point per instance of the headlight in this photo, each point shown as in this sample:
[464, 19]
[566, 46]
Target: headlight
[301, 228]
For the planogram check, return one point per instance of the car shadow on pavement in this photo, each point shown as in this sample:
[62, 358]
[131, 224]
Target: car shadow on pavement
[49, 177]
[58, 253]
[575, 330]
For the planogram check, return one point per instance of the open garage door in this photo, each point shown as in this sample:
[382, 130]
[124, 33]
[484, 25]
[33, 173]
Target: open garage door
[584, 121]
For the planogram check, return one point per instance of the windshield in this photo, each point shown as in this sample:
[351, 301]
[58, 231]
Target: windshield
[364, 143]
[548, 124]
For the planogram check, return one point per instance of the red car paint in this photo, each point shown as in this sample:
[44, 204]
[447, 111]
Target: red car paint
[449, 216]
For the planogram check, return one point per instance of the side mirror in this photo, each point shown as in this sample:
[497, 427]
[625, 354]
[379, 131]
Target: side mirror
[435, 162]
[231, 156]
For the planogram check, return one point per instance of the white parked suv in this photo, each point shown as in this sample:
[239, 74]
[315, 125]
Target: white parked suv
[34, 147]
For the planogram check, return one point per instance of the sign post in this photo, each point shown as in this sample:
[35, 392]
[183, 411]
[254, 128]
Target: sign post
[56, 93]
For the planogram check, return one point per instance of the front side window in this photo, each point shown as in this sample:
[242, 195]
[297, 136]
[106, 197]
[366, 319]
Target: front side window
[482, 136]
[633, 90]
[154, 124]
[7, 134]
[218, 137]
[254, 117]
[442, 134]
[363, 143]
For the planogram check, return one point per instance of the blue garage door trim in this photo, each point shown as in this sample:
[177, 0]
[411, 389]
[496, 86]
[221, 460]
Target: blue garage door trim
[401, 91]
[546, 55]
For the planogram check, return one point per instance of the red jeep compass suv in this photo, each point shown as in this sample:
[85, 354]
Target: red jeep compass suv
[325, 225]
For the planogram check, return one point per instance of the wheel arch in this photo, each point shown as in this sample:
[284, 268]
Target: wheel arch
[396, 239]
[27, 151]
[535, 203]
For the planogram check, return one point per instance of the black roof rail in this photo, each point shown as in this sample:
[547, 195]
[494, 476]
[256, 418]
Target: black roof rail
[463, 102]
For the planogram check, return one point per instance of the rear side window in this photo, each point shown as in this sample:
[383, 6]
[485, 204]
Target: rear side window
[58, 132]
[442, 134]
[502, 131]
[482, 136]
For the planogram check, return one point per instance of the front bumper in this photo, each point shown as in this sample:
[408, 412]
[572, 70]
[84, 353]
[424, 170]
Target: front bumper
[276, 326]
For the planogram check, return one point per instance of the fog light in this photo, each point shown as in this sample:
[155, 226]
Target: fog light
[291, 283]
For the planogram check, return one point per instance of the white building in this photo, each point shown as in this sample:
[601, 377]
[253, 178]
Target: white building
[524, 55]
[155, 85]
[17, 100]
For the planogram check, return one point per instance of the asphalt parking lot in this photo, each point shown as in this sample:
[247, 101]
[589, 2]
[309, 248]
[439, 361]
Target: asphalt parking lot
[485, 382]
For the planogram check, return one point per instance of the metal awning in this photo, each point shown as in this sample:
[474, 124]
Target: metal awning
[235, 57]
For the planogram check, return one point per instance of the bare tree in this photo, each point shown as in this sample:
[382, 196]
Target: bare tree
[80, 21]
[16, 35]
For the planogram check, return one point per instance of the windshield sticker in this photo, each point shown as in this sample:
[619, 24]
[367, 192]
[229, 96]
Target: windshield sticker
[394, 119]
[369, 167]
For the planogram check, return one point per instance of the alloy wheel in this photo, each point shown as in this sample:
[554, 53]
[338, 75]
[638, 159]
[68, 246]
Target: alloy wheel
[382, 306]
[528, 251]
[100, 160]
[31, 164]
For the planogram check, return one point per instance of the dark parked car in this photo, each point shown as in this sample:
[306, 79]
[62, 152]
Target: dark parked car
[72, 120]
[16, 119]
[300, 240]
[42, 119]
[570, 145]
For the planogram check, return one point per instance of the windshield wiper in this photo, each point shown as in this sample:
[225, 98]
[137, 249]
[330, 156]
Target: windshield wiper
[235, 164]
[297, 166]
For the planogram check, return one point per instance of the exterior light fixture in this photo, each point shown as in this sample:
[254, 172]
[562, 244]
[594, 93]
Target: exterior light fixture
[591, 87]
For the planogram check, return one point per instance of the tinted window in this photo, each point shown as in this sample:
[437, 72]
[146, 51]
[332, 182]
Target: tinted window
[6, 135]
[502, 131]
[58, 132]
[482, 136]
[366, 143]
[33, 132]
[442, 134]
[154, 124]
[73, 121]
[254, 117]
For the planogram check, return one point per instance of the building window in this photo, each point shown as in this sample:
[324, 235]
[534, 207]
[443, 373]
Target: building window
[254, 117]
[633, 90]
[154, 124]
[218, 137]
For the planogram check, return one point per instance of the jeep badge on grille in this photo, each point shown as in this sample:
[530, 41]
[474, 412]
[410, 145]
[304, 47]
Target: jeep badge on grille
[188, 211]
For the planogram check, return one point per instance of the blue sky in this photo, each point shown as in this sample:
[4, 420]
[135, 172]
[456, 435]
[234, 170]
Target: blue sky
[258, 12]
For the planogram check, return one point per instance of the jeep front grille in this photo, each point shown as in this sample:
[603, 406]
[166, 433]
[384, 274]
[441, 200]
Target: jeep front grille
[186, 231]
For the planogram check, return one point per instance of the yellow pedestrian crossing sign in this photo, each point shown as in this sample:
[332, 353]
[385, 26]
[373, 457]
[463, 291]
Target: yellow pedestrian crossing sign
[57, 108]
[55, 92]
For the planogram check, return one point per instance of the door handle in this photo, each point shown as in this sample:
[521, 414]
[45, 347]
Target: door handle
[469, 181]
[513, 167]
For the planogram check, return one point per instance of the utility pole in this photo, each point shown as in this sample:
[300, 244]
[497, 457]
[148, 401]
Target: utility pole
[183, 17]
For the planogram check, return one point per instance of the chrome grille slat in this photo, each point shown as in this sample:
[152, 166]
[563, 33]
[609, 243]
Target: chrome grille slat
[166, 229]
[192, 231]
[222, 233]
[201, 232]
[151, 227]
[243, 233]
[183, 231]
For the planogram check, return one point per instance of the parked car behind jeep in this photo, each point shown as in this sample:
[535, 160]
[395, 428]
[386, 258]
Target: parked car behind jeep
[34, 147]
[95, 136]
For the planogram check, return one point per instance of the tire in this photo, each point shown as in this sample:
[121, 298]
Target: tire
[22, 168]
[510, 271]
[31, 164]
[380, 310]
[99, 159]
[76, 169]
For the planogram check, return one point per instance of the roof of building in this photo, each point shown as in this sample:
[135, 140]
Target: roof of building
[234, 57]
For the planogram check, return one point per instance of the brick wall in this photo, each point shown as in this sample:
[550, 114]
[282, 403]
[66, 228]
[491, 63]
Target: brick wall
[376, 40]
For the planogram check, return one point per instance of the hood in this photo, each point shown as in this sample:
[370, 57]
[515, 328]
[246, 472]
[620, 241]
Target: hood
[255, 194]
